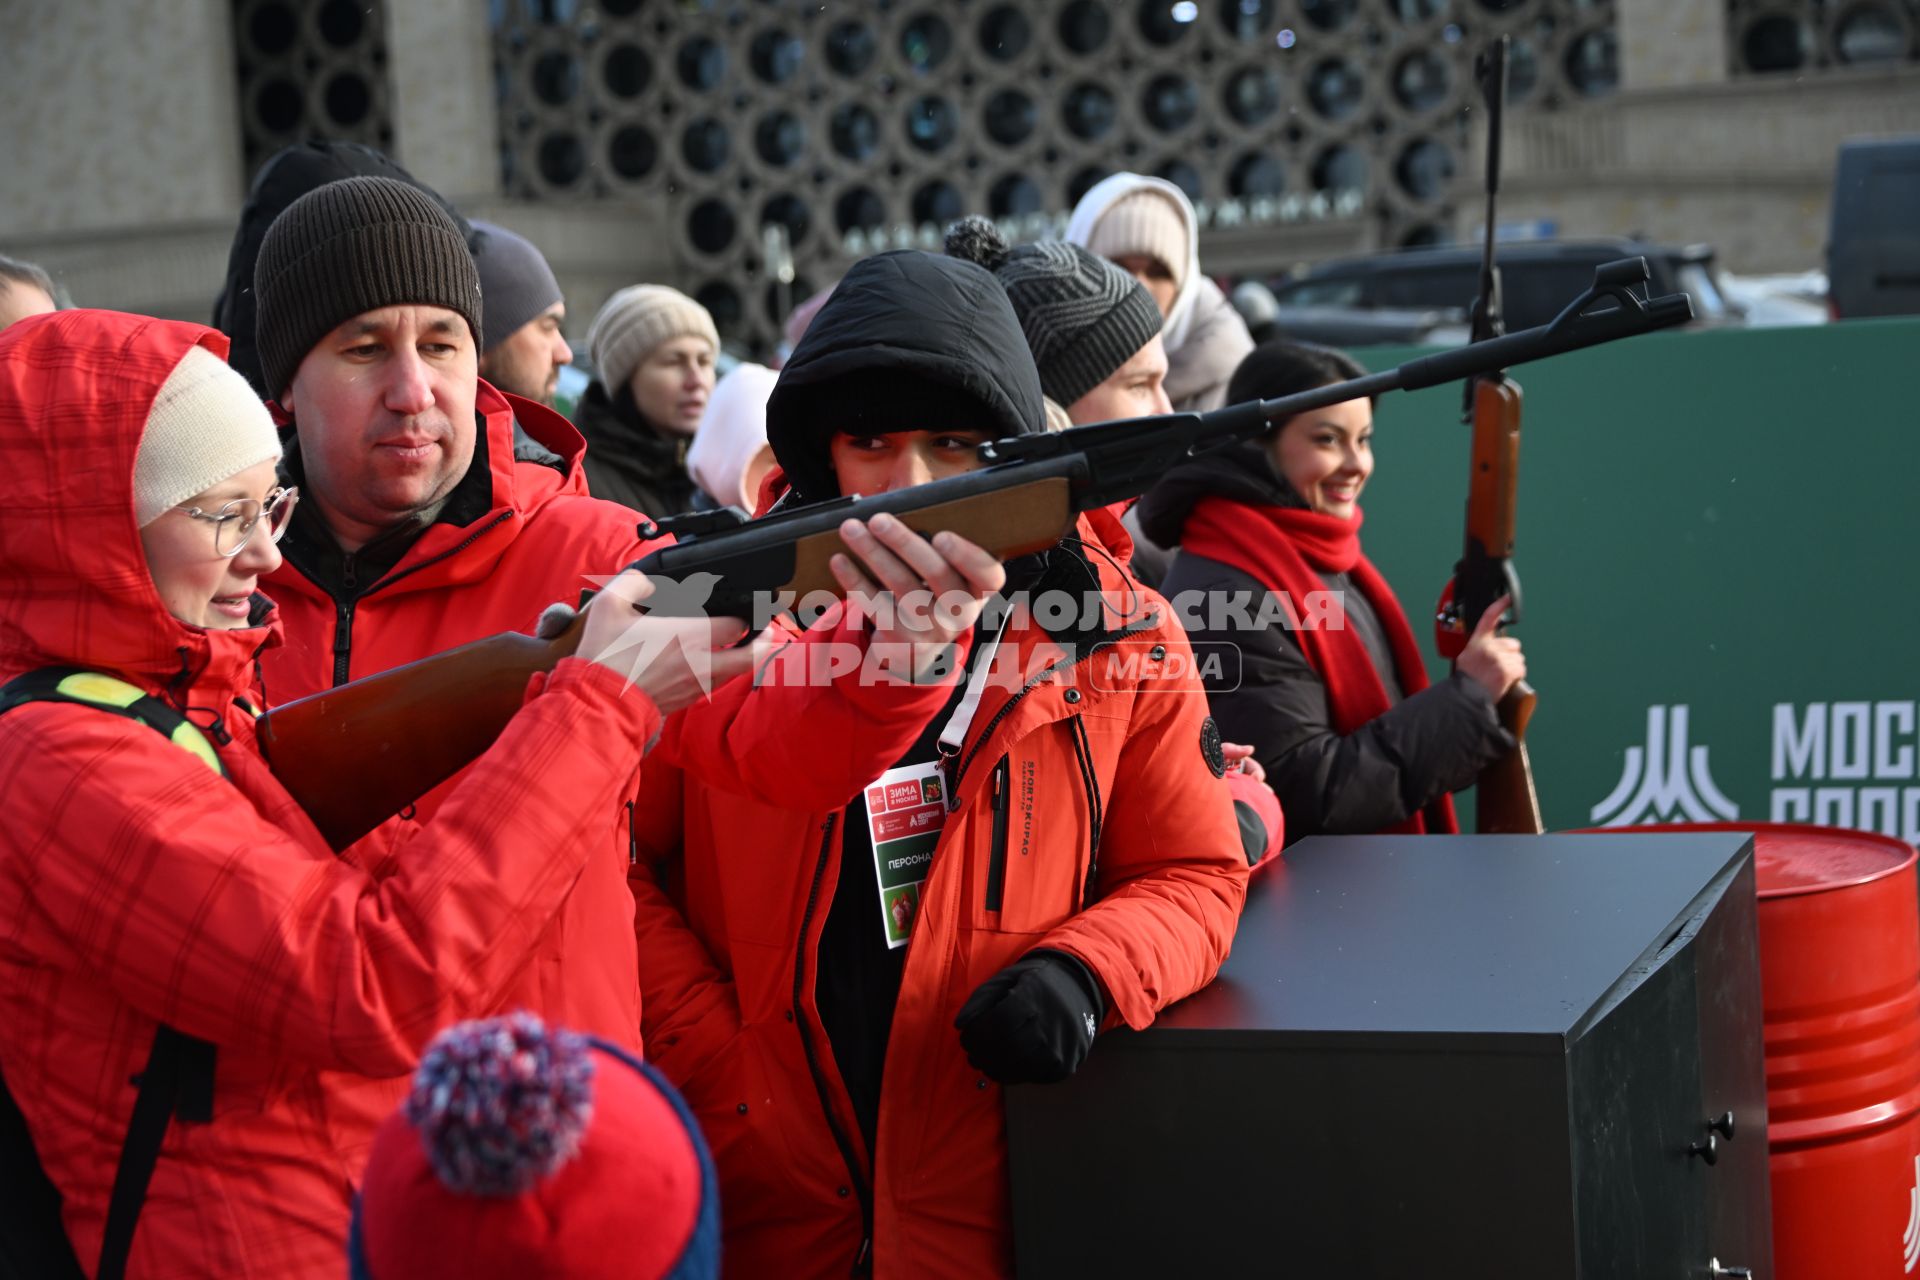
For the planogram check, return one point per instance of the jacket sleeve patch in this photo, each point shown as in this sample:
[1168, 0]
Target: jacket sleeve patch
[1210, 750]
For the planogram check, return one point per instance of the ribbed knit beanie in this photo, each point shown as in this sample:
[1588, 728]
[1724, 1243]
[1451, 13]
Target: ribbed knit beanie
[1143, 222]
[515, 280]
[525, 1150]
[1083, 316]
[636, 320]
[206, 425]
[349, 247]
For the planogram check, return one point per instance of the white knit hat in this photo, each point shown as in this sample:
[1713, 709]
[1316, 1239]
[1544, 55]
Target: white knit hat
[636, 320]
[206, 426]
[1144, 222]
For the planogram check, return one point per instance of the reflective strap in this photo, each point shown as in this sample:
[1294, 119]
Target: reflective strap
[116, 696]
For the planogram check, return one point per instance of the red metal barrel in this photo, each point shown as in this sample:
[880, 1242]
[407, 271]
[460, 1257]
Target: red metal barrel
[1840, 987]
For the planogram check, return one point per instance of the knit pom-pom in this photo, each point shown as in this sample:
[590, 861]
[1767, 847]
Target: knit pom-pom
[977, 240]
[501, 1103]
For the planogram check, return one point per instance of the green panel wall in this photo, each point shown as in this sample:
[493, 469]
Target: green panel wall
[1721, 521]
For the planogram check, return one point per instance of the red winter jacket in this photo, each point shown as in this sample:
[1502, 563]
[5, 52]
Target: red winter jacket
[538, 541]
[729, 995]
[136, 886]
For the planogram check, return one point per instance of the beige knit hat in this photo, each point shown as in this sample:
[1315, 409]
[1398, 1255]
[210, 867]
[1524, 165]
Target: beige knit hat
[636, 320]
[1147, 223]
[206, 425]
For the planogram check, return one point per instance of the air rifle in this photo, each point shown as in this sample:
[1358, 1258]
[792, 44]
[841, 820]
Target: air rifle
[356, 755]
[1505, 798]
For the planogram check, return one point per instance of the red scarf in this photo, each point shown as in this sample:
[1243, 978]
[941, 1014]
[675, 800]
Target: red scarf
[1287, 550]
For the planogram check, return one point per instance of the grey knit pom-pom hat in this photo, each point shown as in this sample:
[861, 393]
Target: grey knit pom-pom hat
[1083, 316]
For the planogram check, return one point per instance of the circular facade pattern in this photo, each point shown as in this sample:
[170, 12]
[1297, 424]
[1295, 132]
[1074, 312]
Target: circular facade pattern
[704, 145]
[1251, 95]
[931, 123]
[711, 226]
[1089, 111]
[851, 48]
[702, 64]
[926, 41]
[626, 71]
[1256, 174]
[1010, 117]
[1170, 103]
[776, 57]
[1004, 33]
[867, 125]
[1084, 27]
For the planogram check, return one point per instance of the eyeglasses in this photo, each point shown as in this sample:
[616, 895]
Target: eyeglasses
[235, 522]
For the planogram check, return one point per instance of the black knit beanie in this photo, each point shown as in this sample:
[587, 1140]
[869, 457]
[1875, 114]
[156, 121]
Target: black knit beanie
[352, 246]
[1083, 316]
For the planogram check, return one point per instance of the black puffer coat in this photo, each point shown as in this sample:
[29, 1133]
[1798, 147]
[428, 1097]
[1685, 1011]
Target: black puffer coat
[1395, 765]
[629, 461]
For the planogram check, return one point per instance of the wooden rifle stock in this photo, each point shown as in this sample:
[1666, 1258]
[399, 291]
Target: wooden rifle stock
[1505, 797]
[1505, 801]
[356, 755]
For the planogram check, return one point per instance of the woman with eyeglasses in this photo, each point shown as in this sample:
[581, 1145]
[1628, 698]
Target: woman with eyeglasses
[173, 928]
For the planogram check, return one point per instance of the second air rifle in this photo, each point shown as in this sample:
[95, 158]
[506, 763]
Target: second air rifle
[356, 755]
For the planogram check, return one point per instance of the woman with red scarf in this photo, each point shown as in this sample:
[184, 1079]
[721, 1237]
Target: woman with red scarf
[1353, 737]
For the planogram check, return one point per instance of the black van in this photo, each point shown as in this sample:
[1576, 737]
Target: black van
[1873, 248]
[1537, 279]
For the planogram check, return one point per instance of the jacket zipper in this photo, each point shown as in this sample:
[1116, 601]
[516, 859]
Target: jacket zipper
[343, 609]
[1040, 675]
[840, 1139]
[1090, 777]
[997, 858]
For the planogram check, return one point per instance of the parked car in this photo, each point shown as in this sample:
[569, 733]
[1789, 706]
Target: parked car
[1537, 279]
[1873, 247]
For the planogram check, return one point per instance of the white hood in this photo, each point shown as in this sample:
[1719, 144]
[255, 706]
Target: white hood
[732, 430]
[1103, 196]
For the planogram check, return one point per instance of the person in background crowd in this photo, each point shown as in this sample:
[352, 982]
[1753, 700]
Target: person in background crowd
[153, 871]
[528, 1151]
[796, 326]
[653, 352]
[523, 348]
[1148, 226]
[858, 973]
[25, 290]
[1095, 337]
[287, 175]
[1259, 308]
[730, 456]
[1353, 737]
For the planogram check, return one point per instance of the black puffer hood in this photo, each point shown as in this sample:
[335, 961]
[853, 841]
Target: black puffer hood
[909, 341]
[1242, 472]
[286, 176]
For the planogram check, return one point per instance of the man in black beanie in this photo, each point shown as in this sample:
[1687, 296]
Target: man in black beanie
[420, 531]
[522, 347]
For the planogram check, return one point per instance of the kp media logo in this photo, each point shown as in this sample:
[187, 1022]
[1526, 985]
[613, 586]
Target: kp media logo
[1666, 780]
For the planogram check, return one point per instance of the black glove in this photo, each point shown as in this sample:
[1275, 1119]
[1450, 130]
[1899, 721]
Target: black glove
[1032, 1022]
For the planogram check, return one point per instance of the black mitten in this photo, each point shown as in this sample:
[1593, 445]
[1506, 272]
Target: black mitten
[1032, 1022]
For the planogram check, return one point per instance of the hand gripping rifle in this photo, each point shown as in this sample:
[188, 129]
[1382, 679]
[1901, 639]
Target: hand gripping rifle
[356, 755]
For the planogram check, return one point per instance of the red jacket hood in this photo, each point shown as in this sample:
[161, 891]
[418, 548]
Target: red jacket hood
[75, 391]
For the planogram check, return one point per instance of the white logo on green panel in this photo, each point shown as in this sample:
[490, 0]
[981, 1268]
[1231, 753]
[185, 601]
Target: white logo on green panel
[1667, 780]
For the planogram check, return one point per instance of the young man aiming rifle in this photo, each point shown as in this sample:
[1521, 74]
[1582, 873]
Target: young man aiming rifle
[1055, 853]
